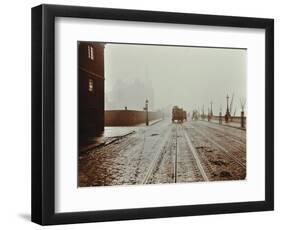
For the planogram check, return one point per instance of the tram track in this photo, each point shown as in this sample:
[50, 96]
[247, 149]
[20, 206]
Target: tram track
[194, 159]
[176, 157]
[170, 153]
[237, 135]
[224, 150]
[219, 132]
[236, 148]
[154, 162]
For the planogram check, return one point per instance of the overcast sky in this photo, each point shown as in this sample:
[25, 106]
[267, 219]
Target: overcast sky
[189, 77]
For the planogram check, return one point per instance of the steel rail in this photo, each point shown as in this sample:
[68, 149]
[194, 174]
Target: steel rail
[176, 157]
[226, 137]
[226, 152]
[221, 129]
[196, 157]
[155, 159]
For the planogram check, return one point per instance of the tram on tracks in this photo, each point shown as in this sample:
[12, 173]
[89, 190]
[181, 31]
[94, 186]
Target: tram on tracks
[178, 115]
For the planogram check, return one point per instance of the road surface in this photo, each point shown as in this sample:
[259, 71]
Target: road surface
[167, 152]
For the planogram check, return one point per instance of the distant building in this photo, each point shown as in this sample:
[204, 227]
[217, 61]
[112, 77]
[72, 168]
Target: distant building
[90, 88]
[131, 94]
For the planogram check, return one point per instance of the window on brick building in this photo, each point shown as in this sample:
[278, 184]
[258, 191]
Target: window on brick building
[91, 86]
[92, 53]
[89, 51]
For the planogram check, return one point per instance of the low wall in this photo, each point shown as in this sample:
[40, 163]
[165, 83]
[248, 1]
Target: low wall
[128, 117]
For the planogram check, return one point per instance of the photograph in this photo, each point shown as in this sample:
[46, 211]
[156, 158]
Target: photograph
[158, 114]
[142, 113]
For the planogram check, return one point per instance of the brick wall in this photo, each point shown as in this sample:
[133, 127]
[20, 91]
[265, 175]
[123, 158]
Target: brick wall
[129, 117]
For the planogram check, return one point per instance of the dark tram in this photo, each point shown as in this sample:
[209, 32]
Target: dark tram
[178, 115]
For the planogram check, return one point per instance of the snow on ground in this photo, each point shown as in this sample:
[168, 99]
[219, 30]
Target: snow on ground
[165, 153]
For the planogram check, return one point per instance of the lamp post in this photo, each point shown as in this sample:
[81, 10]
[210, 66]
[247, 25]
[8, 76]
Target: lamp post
[146, 109]
[227, 109]
[242, 119]
[220, 117]
[243, 103]
[203, 113]
[211, 108]
[227, 115]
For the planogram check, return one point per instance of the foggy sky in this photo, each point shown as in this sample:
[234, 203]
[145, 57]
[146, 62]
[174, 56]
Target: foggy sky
[189, 77]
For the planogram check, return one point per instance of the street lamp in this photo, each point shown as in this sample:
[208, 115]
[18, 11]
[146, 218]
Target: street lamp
[211, 108]
[227, 115]
[146, 108]
[220, 116]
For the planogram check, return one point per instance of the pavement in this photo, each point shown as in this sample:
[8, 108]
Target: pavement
[112, 134]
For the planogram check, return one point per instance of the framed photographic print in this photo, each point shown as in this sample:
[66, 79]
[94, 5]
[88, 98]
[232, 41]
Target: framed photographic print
[143, 114]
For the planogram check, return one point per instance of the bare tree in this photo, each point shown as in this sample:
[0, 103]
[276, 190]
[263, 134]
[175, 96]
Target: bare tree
[242, 104]
[234, 113]
[231, 103]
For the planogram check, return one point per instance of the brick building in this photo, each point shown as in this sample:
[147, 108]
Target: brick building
[90, 89]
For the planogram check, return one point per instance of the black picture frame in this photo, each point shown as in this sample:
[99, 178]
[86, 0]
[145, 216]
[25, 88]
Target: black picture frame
[43, 113]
